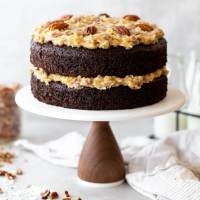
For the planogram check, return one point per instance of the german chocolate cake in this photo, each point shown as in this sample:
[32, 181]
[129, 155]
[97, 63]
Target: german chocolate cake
[98, 62]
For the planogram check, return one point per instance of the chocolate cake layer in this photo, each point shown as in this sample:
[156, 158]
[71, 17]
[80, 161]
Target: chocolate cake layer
[115, 61]
[93, 99]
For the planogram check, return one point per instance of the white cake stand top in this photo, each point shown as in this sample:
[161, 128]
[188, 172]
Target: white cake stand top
[173, 101]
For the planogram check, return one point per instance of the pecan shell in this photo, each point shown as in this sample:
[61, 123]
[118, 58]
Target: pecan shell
[45, 194]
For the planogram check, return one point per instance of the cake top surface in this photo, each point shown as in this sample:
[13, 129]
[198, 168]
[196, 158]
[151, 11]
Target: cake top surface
[100, 31]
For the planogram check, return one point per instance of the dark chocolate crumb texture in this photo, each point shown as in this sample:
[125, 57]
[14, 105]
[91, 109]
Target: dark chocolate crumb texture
[99, 62]
[93, 99]
[115, 61]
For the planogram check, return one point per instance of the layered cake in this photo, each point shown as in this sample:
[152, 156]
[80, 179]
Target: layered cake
[98, 62]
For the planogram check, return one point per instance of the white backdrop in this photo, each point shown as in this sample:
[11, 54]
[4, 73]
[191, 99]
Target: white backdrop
[180, 19]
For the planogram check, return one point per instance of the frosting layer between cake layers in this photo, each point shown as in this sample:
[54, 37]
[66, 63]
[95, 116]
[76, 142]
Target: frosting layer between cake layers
[99, 82]
[93, 99]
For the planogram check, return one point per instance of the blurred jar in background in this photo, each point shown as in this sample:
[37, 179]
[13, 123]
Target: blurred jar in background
[184, 75]
[10, 115]
[165, 125]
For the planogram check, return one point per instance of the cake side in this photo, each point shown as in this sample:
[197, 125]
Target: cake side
[115, 61]
[93, 99]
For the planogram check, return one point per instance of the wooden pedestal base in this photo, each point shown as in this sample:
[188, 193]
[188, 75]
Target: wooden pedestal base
[101, 160]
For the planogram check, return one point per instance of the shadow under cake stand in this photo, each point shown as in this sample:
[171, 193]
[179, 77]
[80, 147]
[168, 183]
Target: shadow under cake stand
[101, 163]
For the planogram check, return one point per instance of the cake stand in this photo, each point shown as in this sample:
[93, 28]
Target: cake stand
[101, 163]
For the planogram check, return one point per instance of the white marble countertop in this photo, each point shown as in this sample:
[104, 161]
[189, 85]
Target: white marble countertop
[40, 173]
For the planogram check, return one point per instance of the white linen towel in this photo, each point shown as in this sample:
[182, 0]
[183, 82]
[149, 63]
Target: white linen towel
[64, 151]
[167, 169]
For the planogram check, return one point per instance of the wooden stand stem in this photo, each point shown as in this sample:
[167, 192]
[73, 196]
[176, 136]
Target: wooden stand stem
[101, 160]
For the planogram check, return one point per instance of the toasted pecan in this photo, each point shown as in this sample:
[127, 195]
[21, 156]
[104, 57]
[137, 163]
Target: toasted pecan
[66, 17]
[131, 17]
[122, 30]
[145, 27]
[104, 15]
[91, 30]
[58, 24]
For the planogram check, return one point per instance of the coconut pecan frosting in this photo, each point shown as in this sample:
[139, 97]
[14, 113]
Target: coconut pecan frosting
[100, 31]
[99, 82]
